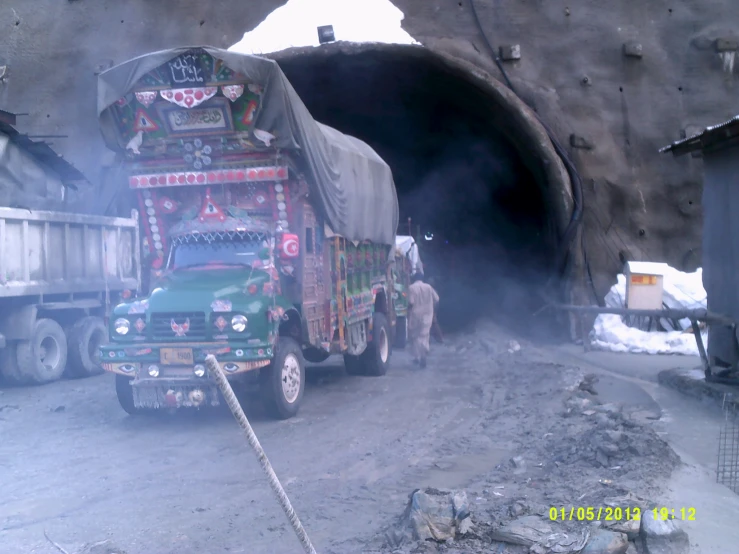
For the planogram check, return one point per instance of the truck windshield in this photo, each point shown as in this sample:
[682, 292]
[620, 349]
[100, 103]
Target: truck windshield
[221, 252]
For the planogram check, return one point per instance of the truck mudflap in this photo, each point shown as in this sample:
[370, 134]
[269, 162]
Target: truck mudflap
[153, 396]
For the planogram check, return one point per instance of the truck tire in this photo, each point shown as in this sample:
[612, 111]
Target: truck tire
[401, 332]
[124, 392]
[283, 381]
[43, 358]
[315, 356]
[353, 364]
[83, 343]
[376, 357]
[9, 370]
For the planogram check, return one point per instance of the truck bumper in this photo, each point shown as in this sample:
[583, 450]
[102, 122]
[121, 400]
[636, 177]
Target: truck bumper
[139, 370]
[174, 393]
[136, 360]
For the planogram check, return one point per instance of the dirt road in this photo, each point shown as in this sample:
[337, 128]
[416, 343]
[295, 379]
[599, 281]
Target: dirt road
[74, 464]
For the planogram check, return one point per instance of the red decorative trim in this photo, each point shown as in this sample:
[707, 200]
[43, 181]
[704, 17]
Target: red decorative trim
[144, 122]
[216, 176]
[248, 117]
[211, 210]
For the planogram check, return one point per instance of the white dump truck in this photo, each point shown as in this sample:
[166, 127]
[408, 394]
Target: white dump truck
[59, 275]
[59, 271]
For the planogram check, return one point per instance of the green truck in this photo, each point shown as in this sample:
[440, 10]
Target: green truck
[268, 238]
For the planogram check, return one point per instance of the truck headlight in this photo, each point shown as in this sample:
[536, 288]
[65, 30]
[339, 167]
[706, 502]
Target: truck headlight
[199, 370]
[238, 323]
[122, 326]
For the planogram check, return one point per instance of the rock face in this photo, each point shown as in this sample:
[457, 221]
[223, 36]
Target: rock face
[615, 81]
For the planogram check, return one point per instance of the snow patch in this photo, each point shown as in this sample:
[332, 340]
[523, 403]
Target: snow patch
[295, 25]
[697, 374]
[681, 291]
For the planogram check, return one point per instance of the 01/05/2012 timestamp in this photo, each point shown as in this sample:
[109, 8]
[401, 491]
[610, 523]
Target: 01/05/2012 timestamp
[589, 513]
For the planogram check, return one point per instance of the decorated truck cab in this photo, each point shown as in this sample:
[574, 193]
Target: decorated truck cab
[268, 238]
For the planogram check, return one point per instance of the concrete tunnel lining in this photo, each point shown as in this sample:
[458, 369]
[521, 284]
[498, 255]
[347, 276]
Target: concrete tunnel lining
[317, 74]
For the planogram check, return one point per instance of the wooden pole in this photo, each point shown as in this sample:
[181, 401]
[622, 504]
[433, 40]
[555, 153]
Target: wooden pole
[700, 315]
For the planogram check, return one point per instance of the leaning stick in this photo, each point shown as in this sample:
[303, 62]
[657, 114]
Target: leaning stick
[217, 373]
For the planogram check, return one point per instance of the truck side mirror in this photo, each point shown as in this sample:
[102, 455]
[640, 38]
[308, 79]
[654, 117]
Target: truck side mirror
[288, 246]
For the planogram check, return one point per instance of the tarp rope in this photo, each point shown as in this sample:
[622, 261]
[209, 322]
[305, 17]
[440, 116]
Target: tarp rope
[215, 371]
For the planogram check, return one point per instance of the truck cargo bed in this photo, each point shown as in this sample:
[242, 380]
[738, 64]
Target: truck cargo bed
[50, 253]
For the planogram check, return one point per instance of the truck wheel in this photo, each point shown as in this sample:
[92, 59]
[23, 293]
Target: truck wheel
[83, 345]
[353, 364]
[124, 392]
[315, 356]
[43, 358]
[283, 381]
[376, 357]
[401, 332]
[9, 370]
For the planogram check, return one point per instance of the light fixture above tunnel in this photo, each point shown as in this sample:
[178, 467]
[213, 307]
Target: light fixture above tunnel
[326, 34]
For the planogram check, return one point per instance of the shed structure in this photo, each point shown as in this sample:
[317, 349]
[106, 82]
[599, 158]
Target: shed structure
[719, 147]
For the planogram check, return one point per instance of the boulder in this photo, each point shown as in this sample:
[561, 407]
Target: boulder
[526, 531]
[629, 527]
[606, 542]
[432, 514]
[663, 536]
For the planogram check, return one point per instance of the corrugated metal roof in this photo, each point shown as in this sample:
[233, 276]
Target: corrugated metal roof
[710, 136]
[43, 153]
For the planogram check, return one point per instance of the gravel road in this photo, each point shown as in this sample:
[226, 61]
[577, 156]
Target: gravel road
[74, 464]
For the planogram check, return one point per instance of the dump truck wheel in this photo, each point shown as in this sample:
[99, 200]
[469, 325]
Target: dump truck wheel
[124, 392]
[83, 345]
[9, 370]
[283, 381]
[43, 358]
[376, 357]
[401, 332]
[353, 364]
[315, 356]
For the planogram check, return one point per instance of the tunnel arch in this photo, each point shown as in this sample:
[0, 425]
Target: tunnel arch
[442, 120]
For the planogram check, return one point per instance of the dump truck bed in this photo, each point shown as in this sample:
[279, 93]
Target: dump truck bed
[43, 253]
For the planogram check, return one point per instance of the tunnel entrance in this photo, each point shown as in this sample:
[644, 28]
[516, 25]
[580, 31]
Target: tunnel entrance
[471, 176]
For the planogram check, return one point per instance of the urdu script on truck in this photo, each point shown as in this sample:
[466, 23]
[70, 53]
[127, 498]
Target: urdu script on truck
[268, 239]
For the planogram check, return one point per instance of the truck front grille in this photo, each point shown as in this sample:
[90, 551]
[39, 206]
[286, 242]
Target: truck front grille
[178, 326]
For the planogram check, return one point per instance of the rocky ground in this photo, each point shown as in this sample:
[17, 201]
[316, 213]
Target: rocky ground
[492, 416]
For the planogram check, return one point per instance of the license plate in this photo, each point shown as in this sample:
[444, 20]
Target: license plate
[176, 356]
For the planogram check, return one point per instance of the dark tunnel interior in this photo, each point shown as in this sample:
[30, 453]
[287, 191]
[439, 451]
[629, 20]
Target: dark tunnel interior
[459, 177]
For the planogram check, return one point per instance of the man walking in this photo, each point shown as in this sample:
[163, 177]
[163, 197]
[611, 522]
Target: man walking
[422, 299]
